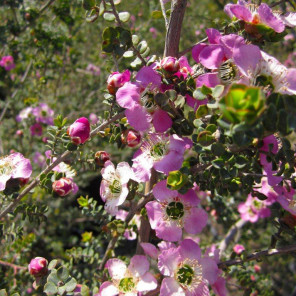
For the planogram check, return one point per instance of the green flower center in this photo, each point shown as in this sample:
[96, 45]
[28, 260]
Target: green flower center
[126, 284]
[185, 275]
[158, 150]
[175, 210]
[115, 187]
[6, 168]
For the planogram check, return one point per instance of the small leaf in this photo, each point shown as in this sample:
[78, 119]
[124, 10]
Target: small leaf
[201, 111]
[3, 292]
[109, 16]
[142, 46]
[124, 16]
[50, 288]
[70, 285]
[52, 264]
[156, 14]
[128, 54]
[63, 273]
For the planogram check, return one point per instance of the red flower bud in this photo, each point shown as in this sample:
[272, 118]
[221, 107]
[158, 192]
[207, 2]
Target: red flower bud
[101, 157]
[79, 131]
[131, 138]
[117, 80]
[38, 267]
[170, 64]
[63, 186]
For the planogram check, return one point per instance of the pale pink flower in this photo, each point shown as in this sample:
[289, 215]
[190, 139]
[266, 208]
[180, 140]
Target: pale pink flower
[7, 63]
[130, 280]
[238, 249]
[14, 166]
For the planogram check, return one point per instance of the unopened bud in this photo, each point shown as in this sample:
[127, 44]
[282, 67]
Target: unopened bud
[63, 186]
[170, 64]
[38, 267]
[117, 80]
[79, 131]
[101, 157]
[131, 138]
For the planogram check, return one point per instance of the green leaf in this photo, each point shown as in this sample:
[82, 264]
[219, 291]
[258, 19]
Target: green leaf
[53, 277]
[70, 285]
[109, 17]
[218, 163]
[217, 91]
[142, 46]
[88, 4]
[156, 14]
[61, 290]
[91, 15]
[85, 291]
[50, 288]
[82, 201]
[218, 149]
[201, 111]
[128, 54]
[52, 264]
[124, 16]
[198, 94]
[63, 273]
[135, 39]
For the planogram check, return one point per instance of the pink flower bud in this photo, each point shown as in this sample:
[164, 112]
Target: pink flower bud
[117, 80]
[63, 186]
[257, 268]
[170, 64]
[79, 131]
[238, 249]
[131, 138]
[7, 63]
[19, 133]
[101, 157]
[38, 267]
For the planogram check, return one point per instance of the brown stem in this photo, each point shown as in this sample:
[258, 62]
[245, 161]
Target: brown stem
[258, 255]
[174, 30]
[59, 159]
[141, 203]
[144, 229]
[230, 235]
[14, 266]
[164, 14]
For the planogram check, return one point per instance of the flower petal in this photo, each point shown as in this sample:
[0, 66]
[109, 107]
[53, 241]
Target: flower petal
[168, 261]
[170, 287]
[195, 221]
[212, 56]
[189, 249]
[209, 269]
[147, 282]
[139, 265]
[108, 289]
[138, 118]
[162, 193]
[161, 121]
[116, 268]
[128, 96]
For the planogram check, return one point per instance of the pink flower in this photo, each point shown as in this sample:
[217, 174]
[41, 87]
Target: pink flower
[7, 63]
[130, 280]
[262, 14]
[39, 159]
[117, 80]
[64, 186]
[93, 118]
[174, 211]
[141, 110]
[38, 267]
[14, 166]
[24, 114]
[253, 209]
[238, 249]
[161, 152]
[114, 189]
[187, 273]
[36, 129]
[79, 131]
[252, 62]
[93, 69]
[43, 114]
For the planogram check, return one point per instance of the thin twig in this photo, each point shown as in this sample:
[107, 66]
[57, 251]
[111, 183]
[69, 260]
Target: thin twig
[230, 235]
[164, 15]
[190, 48]
[59, 159]
[258, 255]
[142, 202]
[14, 266]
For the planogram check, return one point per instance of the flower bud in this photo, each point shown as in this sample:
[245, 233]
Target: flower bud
[101, 157]
[117, 80]
[170, 64]
[79, 131]
[38, 267]
[131, 138]
[63, 186]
